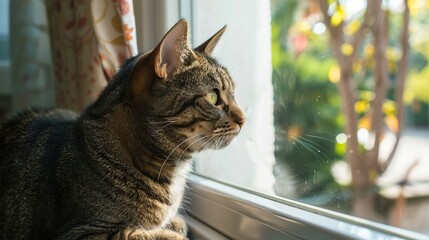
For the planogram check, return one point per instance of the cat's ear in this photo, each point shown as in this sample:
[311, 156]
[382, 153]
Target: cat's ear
[172, 50]
[162, 61]
[208, 46]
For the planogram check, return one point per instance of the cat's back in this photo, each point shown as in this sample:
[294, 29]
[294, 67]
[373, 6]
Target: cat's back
[29, 136]
[22, 131]
[30, 144]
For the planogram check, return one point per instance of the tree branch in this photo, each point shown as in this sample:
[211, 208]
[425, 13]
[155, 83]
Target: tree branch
[336, 33]
[401, 200]
[360, 34]
[347, 91]
[381, 79]
[400, 81]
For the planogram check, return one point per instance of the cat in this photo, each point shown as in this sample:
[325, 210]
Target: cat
[118, 170]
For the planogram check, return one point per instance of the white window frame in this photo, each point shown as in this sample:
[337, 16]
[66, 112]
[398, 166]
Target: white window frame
[153, 20]
[236, 213]
[217, 210]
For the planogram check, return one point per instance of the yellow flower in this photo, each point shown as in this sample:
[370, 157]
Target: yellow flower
[365, 122]
[389, 107]
[352, 27]
[338, 17]
[334, 74]
[362, 106]
[347, 49]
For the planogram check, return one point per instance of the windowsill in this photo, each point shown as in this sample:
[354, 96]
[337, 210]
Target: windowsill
[238, 214]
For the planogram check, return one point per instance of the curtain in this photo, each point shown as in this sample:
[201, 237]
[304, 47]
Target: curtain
[31, 67]
[89, 42]
[64, 52]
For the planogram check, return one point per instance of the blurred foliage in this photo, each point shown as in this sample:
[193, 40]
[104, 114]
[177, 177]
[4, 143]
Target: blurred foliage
[307, 105]
[417, 86]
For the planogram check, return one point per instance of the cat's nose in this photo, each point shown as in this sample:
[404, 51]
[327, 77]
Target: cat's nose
[237, 116]
[241, 121]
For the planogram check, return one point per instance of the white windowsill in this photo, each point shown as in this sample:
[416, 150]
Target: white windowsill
[238, 214]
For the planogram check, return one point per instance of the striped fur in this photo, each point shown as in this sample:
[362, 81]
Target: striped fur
[118, 170]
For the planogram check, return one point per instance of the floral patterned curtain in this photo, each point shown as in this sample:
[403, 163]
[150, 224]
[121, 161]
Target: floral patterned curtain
[89, 42]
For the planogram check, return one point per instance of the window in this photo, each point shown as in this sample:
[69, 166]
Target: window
[246, 53]
[4, 30]
[5, 88]
[288, 174]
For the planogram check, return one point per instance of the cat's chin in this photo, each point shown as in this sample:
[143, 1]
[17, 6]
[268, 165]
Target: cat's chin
[220, 142]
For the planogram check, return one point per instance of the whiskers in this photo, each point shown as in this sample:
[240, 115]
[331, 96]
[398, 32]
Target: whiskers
[211, 143]
[198, 137]
[318, 151]
[212, 161]
[161, 125]
[215, 140]
[220, 141]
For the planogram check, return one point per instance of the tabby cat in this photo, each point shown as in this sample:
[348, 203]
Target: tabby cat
[118, 170]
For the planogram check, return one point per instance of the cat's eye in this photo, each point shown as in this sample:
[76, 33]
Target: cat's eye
[212, 97]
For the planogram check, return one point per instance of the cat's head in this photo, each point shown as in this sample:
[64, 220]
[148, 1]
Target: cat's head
[185, 94]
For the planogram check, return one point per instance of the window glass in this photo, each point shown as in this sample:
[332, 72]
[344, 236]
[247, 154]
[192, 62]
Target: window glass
[4, 30]
[335, 118]
[245, 50]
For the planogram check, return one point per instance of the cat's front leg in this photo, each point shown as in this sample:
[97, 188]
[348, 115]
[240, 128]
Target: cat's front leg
[177, 224]
[154, 234]
[129, 233]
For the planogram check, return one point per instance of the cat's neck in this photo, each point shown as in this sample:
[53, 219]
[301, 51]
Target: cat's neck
[142, 147]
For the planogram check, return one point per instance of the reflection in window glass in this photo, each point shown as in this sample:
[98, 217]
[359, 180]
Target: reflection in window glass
[349, 80]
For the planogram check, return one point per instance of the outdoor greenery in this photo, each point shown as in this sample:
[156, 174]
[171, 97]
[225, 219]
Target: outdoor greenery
[308, 105]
